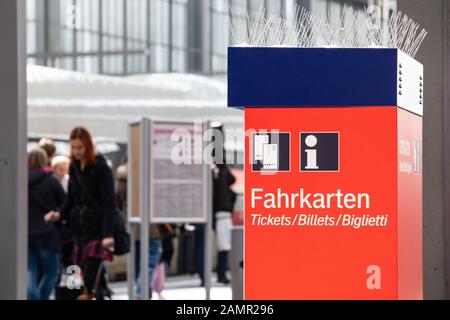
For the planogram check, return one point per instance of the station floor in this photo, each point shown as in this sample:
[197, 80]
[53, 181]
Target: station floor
[179, 288]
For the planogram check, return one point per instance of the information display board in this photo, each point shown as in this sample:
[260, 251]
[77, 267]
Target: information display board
[178, 173]
[169, 182]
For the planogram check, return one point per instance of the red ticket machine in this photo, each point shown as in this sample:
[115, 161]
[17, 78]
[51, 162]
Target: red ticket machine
[333, 172]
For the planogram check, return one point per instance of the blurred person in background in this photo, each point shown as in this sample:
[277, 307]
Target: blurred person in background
[45, 194]
[60, 166]
[162, 270]
[223, 203]
[90, 207]
[154, 250]
[200, 251]
[49, 146]
[121, 188]
[167, 246]
[156, 232]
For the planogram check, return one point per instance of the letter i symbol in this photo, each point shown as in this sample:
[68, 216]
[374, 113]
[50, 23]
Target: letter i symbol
[311, 154]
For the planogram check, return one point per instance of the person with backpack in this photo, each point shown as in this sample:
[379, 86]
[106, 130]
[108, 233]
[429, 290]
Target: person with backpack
[45, 194]
[90, 206]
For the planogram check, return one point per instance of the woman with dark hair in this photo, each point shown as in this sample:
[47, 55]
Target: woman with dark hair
[90, 207]
[45, 194]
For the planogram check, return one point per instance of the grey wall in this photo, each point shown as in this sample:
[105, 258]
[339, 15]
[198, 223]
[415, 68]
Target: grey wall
[13, 168]
[433, 16]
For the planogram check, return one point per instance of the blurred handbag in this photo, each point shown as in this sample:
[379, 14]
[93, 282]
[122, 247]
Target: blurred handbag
[223, 230]
[122, 241]
[237, 219]
[159, 277]
[70, 285]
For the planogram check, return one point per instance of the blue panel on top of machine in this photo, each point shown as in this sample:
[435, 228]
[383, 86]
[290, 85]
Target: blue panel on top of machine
[310, 77]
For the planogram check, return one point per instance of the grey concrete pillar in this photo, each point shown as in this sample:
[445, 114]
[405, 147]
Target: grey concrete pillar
[13, 157]
[199, 36]
[194, 42]
[207, 33]
[433, 16]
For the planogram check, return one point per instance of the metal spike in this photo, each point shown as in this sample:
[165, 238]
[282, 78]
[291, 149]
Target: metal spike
[352, 29]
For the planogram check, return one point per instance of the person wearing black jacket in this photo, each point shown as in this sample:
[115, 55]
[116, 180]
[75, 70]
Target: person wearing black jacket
[223, 203]
[45, 194]
[89, 207]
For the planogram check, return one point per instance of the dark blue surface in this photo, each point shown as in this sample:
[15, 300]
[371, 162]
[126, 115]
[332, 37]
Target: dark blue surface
[295, 77]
